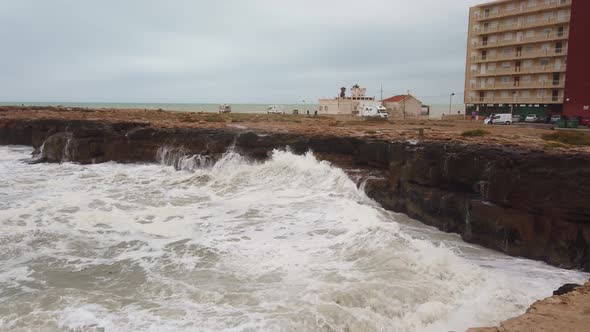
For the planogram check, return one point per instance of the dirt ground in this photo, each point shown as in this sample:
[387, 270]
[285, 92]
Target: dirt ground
[520, 135]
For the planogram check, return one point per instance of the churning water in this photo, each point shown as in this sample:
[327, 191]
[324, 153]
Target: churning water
[290, 244]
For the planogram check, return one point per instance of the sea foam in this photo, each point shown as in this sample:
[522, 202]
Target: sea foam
[290, 244]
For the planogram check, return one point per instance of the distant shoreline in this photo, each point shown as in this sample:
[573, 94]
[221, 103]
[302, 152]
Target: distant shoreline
[436, 110]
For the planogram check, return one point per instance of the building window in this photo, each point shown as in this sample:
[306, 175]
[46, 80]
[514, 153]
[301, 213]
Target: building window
[560, 32]
[544, 62]
[556, 77]
[516, 81]
[528, 63]
[547, 32]
[548, 16]
[558, 47]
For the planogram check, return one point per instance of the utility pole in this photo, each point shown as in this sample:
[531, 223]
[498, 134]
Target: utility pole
[381, 92]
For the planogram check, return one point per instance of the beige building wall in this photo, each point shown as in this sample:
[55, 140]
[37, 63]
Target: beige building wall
[409, 107]
[338, 106]
[517, 51]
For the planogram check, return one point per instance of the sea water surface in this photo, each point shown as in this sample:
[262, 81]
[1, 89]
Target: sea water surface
[290, 244]
[436, 110]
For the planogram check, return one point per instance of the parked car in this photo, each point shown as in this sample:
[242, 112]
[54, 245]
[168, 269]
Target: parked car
[531, 118]
[488, 120]
[501, 119]
[275, 109]
[555, 118]
[585, 122]
[374, 111]
[516, 118]
[224, 108]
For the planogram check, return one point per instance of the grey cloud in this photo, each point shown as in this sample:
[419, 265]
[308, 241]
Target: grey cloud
[228, 50]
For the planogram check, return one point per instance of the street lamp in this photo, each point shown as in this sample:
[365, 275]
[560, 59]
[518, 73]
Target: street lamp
[451, 103]
[304, 106]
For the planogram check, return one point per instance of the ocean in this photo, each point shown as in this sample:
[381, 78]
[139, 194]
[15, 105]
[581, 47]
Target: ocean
[436, 110]
[289, 244]
[178, 107]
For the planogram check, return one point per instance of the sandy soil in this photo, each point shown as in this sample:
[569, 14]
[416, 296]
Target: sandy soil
[524, 136]
[569, 312]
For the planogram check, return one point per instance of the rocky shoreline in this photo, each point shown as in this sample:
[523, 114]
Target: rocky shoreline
[521, 202]
[567, 312]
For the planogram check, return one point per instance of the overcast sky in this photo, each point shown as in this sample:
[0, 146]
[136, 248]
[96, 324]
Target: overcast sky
[230, 51]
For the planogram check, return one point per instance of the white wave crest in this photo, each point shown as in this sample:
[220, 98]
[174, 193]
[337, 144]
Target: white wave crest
[289, 244]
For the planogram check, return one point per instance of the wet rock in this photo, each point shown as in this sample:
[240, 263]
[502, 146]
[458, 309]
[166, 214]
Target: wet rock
[567, 288]
[55, 148]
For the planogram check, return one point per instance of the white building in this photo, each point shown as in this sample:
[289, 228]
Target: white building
[346, 105]
[403, 106]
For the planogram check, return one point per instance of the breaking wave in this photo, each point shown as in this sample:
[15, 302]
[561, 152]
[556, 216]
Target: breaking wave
[290, 244]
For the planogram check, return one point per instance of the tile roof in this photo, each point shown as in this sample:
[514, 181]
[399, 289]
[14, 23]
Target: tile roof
[395, 99]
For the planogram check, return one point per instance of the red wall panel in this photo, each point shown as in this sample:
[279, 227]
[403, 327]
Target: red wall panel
[577, 84]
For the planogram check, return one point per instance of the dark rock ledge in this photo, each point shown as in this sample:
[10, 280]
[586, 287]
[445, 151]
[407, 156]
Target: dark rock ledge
[521, 202]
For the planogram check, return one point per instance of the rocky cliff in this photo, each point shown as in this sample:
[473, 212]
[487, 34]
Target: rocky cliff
[522, 202]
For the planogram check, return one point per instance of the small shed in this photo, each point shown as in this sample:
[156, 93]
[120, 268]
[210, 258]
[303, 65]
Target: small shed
[403, 106]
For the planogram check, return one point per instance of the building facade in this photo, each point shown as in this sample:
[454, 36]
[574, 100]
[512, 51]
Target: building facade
[346, 105]
[403, 106]
[530, 56]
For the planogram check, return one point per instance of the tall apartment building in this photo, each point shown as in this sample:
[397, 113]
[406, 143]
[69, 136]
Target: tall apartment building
[531, 56]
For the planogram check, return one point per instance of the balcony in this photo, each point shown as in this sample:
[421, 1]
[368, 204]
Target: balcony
[520, 56]
[516, 100]
[553, 36]
[523, 71]
[505, 12]
[522, 25]
[519, 86]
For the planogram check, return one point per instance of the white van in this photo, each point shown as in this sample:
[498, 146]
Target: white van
[501, 119]
[373, 111]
